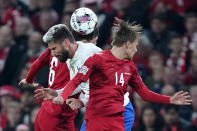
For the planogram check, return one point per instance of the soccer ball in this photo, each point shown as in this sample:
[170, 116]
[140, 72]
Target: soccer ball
[83, 21]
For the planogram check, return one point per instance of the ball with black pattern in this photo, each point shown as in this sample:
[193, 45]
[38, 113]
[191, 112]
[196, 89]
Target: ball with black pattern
[83, 21]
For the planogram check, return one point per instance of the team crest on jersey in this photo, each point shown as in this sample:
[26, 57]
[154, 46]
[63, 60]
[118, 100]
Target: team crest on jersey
[83, 70]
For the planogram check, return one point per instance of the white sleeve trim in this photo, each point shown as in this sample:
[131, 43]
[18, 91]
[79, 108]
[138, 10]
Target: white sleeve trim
[126, 98]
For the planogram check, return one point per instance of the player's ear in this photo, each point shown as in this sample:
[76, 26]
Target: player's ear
[65, 43]
[127, 44]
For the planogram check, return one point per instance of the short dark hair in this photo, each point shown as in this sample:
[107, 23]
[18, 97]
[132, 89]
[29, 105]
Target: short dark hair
[161, 17]
[124, 31]
[58, 33]
[79, 37]
[169, 107]
[174, 36]
[190, 15]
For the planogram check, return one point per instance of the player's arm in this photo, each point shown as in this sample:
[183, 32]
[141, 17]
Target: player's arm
[81, 76]
[179, 98]
[38, 64]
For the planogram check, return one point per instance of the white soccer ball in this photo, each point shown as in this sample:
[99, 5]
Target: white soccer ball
[83, 21]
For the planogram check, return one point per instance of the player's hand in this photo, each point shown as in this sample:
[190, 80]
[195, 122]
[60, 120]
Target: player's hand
[23, 83]
[45, 93]
[181, 98]
[58, 100]
[74, 103]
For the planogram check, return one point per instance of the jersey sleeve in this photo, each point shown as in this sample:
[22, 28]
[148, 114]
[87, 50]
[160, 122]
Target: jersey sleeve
[138, 85]
[38, 64]
[81, 76]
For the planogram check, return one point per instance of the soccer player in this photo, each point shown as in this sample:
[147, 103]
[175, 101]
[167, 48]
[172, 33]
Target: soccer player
[50, 116]
[109, 73]
[75, 103]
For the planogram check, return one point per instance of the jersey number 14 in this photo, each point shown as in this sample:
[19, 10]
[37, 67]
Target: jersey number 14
[119, 79]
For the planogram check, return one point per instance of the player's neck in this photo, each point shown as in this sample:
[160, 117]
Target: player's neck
[118, 52]
[73, 49]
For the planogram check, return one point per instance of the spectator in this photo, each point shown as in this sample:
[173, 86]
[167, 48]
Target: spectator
[19, 49]
[27, 103]
[190, 25]
[190, 77]
[9, 13]
[149, 120]
[35, 48]
[193, 44]
[178, 56]
[6, 96]
[45, 4]
[193, 92]
[141, 57]
[33, 7]
[139, 104]
[190, 28]
[43, 20]
[6, 40]
[168, 90]
[193, 126]
[175, 81]
[171, 119]
[22, 7]
[159, 34]
[14, 116]
[69, 8]
[127, 10]
[11, 73]
[155, 80]
[23, 26]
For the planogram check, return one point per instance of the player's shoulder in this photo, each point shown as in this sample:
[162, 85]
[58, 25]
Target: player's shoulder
[132, 65]
[46, 53]
[89, 46]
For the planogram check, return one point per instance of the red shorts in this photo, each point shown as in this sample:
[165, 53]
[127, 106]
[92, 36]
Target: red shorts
[106, 123]
[49, 118]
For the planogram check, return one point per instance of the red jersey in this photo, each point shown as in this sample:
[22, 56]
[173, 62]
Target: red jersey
[59, 76]
[58, 72]
[109, 78]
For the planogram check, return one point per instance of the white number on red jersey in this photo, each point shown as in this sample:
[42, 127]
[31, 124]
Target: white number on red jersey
[121, 80]
[54, 62]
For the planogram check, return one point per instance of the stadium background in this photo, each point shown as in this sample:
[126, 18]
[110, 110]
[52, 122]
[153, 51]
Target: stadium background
[166, 58]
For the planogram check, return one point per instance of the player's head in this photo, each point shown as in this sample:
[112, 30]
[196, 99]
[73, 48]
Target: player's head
[58, 38]
[125, 36]
[84, 25]
[90, 38]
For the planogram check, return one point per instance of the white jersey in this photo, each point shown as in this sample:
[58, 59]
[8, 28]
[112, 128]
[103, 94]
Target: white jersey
[83, 52]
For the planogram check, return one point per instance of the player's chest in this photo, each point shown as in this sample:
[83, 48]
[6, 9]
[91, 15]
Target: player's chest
[116, 73]
[74, 66]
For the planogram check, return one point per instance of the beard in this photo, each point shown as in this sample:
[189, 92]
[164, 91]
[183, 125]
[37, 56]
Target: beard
[64, 56]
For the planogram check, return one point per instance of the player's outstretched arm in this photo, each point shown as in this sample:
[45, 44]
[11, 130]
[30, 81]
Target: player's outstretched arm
[38, 64]
[179, 98]
[45, 94]
[81, 76]
[23, 83]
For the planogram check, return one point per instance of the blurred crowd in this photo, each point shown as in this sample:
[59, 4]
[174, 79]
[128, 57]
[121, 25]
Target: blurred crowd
[166, 57]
